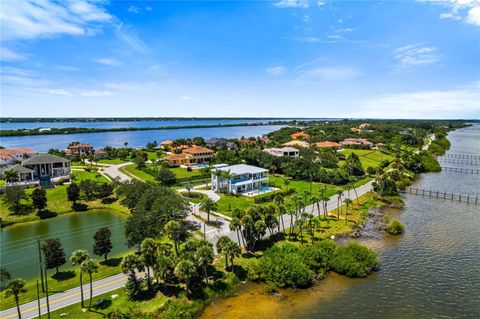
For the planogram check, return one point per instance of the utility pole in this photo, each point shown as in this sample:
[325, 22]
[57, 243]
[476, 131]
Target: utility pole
[40, 261]
[38, 302]
[46, 288]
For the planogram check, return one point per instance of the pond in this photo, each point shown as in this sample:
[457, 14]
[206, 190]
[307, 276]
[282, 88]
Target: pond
[19, 250]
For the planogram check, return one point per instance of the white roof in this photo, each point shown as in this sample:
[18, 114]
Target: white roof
[243, 169]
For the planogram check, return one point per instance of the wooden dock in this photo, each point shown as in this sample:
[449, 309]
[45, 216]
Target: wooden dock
[462, 156]
[469, 199]
[461, 170]
[458, 161]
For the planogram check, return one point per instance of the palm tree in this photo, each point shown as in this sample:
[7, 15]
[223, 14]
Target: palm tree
[347, 202]
[204, 257]
[15, 288]
[351, 180]
[77, 258]
[282, 211]
[227, 176]
[232, 250]
[148, 249]
[235, 226]
[339, 199]
[208, 206]
[315, 203]
[10, 175]
[185, 270]
[189, 187]
[90, 266]
[173, 229]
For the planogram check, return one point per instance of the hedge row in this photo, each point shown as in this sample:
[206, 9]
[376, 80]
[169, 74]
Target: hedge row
[270, 196]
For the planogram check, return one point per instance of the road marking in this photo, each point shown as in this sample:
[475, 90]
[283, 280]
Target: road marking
[63, 298]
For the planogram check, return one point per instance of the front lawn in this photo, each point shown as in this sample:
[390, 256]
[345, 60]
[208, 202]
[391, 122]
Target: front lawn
[369, 158]
[183, 173]
[79, 175]
[132, 171]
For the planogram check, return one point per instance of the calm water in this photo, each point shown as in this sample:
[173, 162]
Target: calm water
[19, 253]
[431, 271]
[43, 143]
[109, 124]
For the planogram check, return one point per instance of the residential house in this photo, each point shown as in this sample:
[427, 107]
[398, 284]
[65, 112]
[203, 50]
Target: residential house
[9, 156]
[101, 153]
[364, 126]
[265, 139]
[328, 144]
[297, 143]
[283, 152]
[238, 179]
[43, 169]
[79, 149]
[300, 135]
[355, 129]
[356, 141]
[166, 144]
[220, 143]
[191, 156]
[247, 141]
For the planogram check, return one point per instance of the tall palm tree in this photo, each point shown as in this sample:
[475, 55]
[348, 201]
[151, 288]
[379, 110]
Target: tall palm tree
[232, 250]
[77, 258]
[351, 180]
[347, 202]
[208, 206]
[235, 226]
[148, 249]
[189, 187]
[90, 266]
[339, 200]
[315, 203]
[15, 288]
[185, 270]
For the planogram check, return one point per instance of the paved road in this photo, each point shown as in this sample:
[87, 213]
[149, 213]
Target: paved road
[114, 171]
[66, 298]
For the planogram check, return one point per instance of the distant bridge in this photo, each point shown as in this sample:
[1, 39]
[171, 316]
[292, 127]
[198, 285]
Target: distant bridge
[469, 199]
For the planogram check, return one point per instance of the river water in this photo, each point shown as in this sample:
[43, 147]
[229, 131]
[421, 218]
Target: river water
[42, 143]
[19, 252]
[431, 271]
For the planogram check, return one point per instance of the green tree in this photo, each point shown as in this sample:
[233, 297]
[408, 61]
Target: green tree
[89, 266]
[348, 202]
[174, 231]
[166, 177]
[189, 188]
[73, 193]
[77, 258]
[15, 288]
[339, 200]
[208, 206]
[232, 250]
[204, 258]
[129, 265]
[102, 245]
[4, 277]
[104, 190]
[222, 243]
[148, 248]
[10, 175]
[39, 198]
[185, 270]
[54, 254]
[89, 189]
[13, 197]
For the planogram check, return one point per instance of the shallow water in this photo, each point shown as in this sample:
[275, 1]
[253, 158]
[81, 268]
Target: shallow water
[431, 271]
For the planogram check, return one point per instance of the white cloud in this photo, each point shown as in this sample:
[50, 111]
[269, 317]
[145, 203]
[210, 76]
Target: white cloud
[292, 4]
[186, 98]
[416, 54]
[148, 8]
[24, 19]
[108, 61]
[129, 36]
[467, 10]
[424, 104]
[67, 68]
[9, 55]
[276, 70]
[328, 73]
[59, 92]
[134, 9]
[94, 93]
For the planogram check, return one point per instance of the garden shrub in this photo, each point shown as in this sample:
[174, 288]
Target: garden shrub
[394, 227]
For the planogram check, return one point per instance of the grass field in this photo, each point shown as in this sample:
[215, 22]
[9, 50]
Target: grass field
[111, 161]
[78, 176]
[369, 158]
[183, 173]
[132, 171]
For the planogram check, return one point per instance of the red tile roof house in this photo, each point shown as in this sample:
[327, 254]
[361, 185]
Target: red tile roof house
[80, 149]
[246, 140]
[328, 144]
[9, 155]
[356, 141]
[300, 135]
[191, 156]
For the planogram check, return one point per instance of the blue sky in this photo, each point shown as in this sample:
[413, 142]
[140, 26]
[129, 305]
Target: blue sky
[289, 58]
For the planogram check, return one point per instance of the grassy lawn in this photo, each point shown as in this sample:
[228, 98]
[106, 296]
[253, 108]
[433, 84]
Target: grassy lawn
[56, 203]
[194, 197]
[369, 158]
[79, 176]
[70, 280]
[132, 171]
[182, 172]
[110, 161]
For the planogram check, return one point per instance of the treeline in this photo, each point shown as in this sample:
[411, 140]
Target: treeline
[75, 130]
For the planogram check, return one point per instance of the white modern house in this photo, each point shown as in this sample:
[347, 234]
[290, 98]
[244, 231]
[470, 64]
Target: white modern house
[240, 179]
[283, 152]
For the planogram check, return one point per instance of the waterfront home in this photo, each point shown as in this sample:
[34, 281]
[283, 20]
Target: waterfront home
[244, 140]
[166, 144]
[283, 152]
[356, 141]
[240, 179]
[191, 156]
[42, 169]
[101, 153]
[79, 149]
[265, 139]
[221, 143]
[297, 143]
[327, 144]
[299, 135]
[8, 156]
[364, 126]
